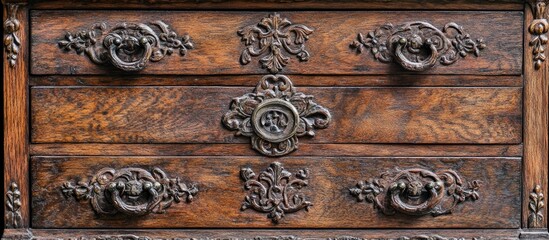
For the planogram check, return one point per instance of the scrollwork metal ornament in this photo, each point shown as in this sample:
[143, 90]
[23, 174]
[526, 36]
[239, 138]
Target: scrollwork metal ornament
[274, 37]
[13, 207]
[418, 46]
[11, 40]
[416, 192]
[275, 191]
[127, 46]
[536, 205]
[274, 115]
[538, 28]
[130, 191]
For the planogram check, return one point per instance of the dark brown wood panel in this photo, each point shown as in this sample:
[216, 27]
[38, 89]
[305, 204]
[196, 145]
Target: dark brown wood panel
[301, 4]
[193, 115]
[302, 80]
[243, 149]
[221, 193]
[218, 46]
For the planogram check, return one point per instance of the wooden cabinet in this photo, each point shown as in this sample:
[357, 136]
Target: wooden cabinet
[275, 120]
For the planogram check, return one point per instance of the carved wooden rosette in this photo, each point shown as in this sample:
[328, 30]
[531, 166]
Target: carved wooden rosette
[11, 40]
[416, 192]
[418, 46]
[536, 205]
[275, 191]
[13, 207]
[130, 191]
[127, 46]
[274, 115]
[274, 37]
[538, 28]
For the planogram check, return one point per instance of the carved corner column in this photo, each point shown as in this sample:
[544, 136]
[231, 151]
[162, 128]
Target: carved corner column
[534, 212]
[16, 160]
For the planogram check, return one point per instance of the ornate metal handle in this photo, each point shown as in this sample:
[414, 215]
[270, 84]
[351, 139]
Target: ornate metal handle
[127, 46]
[416, 192]
[418, 46]
[130, 191]
[406, 190]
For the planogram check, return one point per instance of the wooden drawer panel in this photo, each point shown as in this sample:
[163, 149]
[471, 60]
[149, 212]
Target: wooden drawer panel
[182, 114]
[327, 183]
[218, 47]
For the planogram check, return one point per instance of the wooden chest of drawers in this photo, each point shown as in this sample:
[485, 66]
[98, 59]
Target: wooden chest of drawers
[410, 120]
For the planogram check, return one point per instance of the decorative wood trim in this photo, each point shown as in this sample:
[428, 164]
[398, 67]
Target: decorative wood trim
[152, 192]
[129, 37]
[538, 29]
[408, 41]
[271, 38]
[275, 191]
[15, 83]
[274, 115]
[416, 192]
[13, 207]
[12, 26]
[536, 205]
[535, 161]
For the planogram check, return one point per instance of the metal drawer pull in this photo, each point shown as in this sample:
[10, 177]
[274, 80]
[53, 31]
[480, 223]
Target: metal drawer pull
[418, 46]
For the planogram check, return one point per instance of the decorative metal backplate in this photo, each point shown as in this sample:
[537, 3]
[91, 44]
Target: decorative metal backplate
[11, 40]
[536, 205]
[272, 38]
[275, 191]
[418, 46]
[274, 115]
[538, 28]
[130, 191]
[13, 207]
[416, 192]
[127, 46]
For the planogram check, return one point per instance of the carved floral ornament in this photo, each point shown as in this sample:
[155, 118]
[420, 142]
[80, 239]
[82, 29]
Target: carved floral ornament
[272, 39]
[274, 115]
[418, 46]
[130, 191]
[536, 206]
[11, 28]
[275, 191]
[416, 192]
[127, 46]
[538, 28]
[13, 207]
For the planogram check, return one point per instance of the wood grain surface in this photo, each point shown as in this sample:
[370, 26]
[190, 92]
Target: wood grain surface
[221, 193]
[218, 46]
[193, 115]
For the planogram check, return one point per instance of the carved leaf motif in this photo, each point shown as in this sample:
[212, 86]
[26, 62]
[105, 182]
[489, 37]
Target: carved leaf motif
[416, 192]
[148, 192]
[13, 207]
[538, 29]
[275, 191]
[11, 40]
[274, 115]
[274, 37]
[536, 205]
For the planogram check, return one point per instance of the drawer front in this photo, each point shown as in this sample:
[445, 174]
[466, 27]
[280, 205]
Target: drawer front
[194, 114]
[344, 192]
[239, 43]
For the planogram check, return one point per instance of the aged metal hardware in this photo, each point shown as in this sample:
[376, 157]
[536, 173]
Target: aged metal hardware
[127, 46]
[418, 46]
[130, 191]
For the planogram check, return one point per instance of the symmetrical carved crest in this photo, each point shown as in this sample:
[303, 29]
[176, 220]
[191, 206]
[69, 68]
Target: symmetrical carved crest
[274, 37]
[275, 191]
[13, 207]
[538, 28]
[127, 46]
[11, 40]
[130, 191]
[274, 115]
[536, 205]
[416, 192]
[418, 46]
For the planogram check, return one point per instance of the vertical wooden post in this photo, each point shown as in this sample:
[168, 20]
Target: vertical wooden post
[16, 160]
[535, 120]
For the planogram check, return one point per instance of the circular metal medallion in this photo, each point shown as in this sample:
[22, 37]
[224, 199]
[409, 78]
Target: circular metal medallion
[275, 120]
